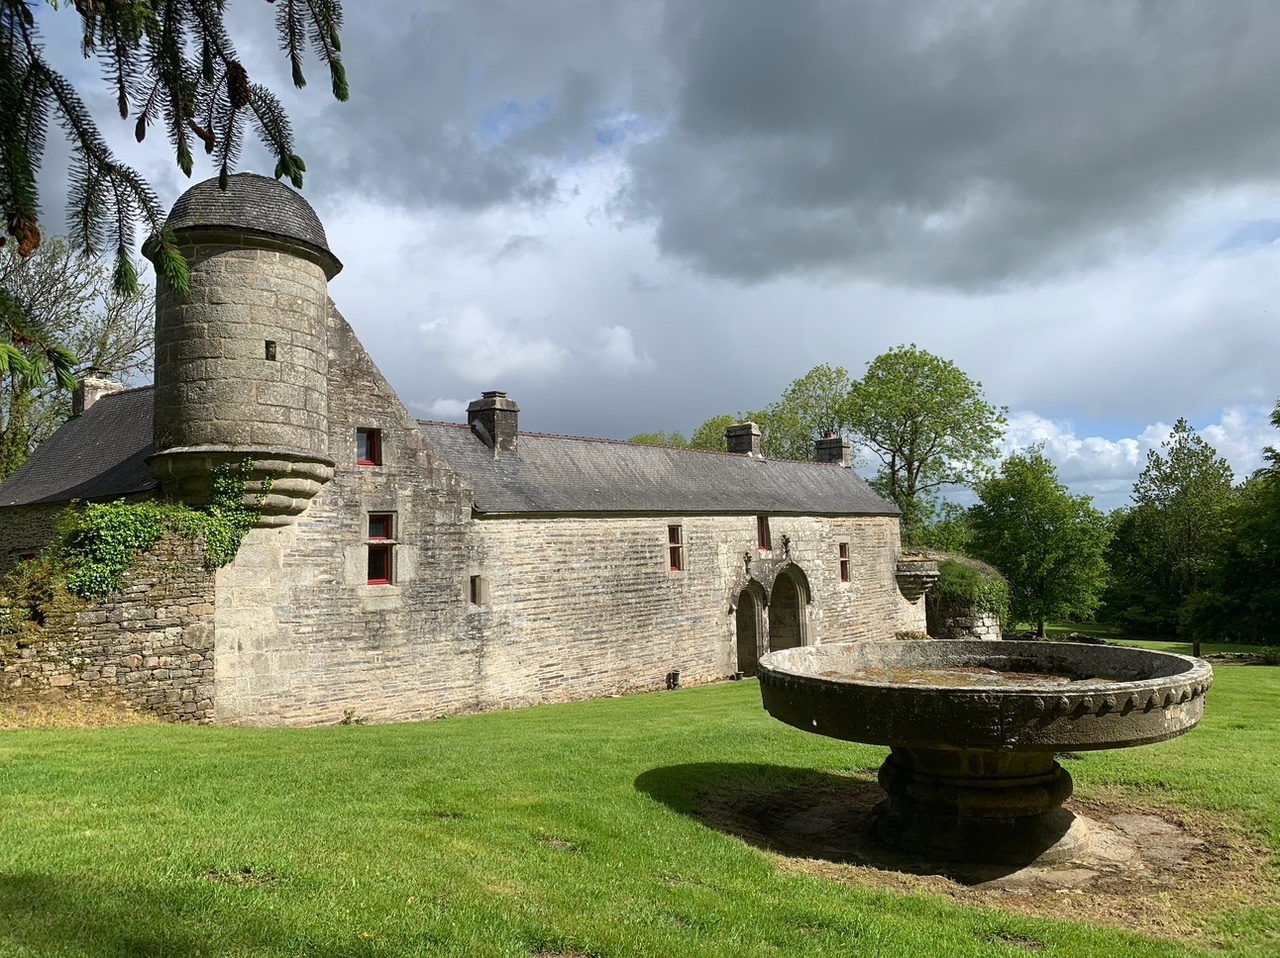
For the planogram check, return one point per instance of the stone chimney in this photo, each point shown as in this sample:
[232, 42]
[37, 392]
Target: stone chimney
[90, 389]
[495, 419]
[832, 449]
[744, 439]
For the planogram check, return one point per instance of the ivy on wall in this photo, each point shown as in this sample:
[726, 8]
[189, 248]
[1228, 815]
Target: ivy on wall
[96, 543]
[971, 585]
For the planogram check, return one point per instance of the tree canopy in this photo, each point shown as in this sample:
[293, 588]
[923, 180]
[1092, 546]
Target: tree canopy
[1166, 544]
[928, 424]
[61, 318]
[171, 65]
[1048, 543]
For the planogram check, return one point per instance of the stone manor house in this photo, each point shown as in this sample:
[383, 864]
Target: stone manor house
[407, 569]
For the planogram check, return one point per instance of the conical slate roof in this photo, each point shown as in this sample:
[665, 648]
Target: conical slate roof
[256, 204]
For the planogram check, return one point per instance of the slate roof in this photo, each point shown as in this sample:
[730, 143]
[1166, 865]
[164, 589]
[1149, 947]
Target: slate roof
[559, 475]
[100, 454]
[256, 204]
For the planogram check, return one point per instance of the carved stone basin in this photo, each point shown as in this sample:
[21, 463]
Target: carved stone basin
[973, 728]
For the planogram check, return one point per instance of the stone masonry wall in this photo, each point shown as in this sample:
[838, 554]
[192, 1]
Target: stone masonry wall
[24, 530]
[580, 607]
[301, 637]
[151, 643]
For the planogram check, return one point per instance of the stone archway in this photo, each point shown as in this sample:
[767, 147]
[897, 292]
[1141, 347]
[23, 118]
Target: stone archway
[749, 629]
[787, 611]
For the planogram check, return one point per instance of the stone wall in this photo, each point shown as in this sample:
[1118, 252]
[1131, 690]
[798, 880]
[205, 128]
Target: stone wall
[24, 530]
[301, 637]
[151, 643]
[581, 607]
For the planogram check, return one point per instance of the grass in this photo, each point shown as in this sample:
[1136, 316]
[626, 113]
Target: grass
[555, 831]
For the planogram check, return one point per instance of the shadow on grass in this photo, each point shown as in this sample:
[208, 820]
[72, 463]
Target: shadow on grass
[796, 812]
[43, 914]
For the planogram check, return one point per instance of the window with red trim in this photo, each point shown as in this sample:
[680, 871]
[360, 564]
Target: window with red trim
[380, 547]
[368, 447]
[675, 548]
[762, 534]
[844, 562]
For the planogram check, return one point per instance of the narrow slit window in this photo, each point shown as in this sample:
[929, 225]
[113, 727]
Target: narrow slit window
[380, 548]
[475, 591]
[368, 447]
[844, 562]
[763, 539]
[675, 548]
[271, 350]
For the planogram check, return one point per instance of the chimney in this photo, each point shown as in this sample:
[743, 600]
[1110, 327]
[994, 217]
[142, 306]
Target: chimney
[831, 448]
[744, 439]
[495, 419]
[90, 389]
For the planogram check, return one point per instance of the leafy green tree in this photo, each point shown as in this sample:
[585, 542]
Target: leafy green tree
[928, 424]
[1166, 544]
[660, 438]
[1048, 543]
[62, 306]
[948, 529]
[813, 406]
[1242, 602]
[710, 435]
[171, 64]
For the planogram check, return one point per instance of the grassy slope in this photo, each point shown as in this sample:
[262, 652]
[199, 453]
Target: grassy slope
[552, 830]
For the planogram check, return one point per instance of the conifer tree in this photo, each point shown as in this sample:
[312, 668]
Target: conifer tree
[171, 64]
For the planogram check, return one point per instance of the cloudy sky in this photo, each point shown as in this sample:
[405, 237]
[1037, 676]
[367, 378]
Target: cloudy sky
[635, 215]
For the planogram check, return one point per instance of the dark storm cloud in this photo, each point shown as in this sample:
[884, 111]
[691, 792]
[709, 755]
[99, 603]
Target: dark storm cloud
[954, 144]
[483, 103]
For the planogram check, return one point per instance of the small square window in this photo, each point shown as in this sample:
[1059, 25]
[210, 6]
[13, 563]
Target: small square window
[763, 538]
[380, 525]
[675, 548]
[270, 350]
[368, 447]
[844, 562]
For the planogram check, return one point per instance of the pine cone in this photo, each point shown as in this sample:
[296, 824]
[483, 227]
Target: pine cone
[237, 85]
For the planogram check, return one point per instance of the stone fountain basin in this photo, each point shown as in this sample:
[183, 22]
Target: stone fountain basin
[1026, 696]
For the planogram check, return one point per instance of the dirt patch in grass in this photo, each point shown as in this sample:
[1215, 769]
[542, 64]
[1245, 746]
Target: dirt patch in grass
[1158, 871]
[57, 710]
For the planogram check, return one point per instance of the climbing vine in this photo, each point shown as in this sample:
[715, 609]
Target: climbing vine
[973, 585]
[97, 543]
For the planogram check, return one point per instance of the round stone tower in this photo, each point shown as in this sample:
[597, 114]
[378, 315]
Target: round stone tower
[241, 362]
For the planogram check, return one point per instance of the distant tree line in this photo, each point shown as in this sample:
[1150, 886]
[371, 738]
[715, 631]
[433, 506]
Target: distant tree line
[1193, 555]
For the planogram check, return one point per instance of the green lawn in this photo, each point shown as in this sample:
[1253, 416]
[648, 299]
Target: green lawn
[559, 830]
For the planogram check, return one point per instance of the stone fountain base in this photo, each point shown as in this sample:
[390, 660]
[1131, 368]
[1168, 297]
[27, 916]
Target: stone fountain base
[978, 806]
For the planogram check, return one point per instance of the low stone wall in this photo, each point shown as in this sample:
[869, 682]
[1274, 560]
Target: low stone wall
[969, 624]
[151, 643]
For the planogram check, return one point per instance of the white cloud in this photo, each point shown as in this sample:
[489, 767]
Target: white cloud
[446, 410]
[1106, 469]
[615, 346]
[483, 349]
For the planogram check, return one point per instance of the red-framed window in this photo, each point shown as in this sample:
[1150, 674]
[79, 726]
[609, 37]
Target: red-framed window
[763, 539]
[381, 546]
[844, 562]
[368, 447]
[675, 547]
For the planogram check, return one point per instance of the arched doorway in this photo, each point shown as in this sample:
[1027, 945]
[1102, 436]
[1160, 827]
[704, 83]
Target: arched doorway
[750, 628]
[786, 612]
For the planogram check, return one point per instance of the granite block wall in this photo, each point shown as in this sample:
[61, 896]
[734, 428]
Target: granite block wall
[151, 643]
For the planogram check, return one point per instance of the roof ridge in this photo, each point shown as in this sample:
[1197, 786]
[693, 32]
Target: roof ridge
[635, 445]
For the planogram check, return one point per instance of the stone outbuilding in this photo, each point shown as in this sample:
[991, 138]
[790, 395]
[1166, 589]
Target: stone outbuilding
[406, 569]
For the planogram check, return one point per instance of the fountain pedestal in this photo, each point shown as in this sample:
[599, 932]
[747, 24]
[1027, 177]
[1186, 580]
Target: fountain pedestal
[973, 805]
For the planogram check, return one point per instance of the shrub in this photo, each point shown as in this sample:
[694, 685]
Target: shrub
[968, 583]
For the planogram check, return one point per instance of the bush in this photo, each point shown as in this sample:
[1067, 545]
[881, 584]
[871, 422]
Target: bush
[968, 583]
